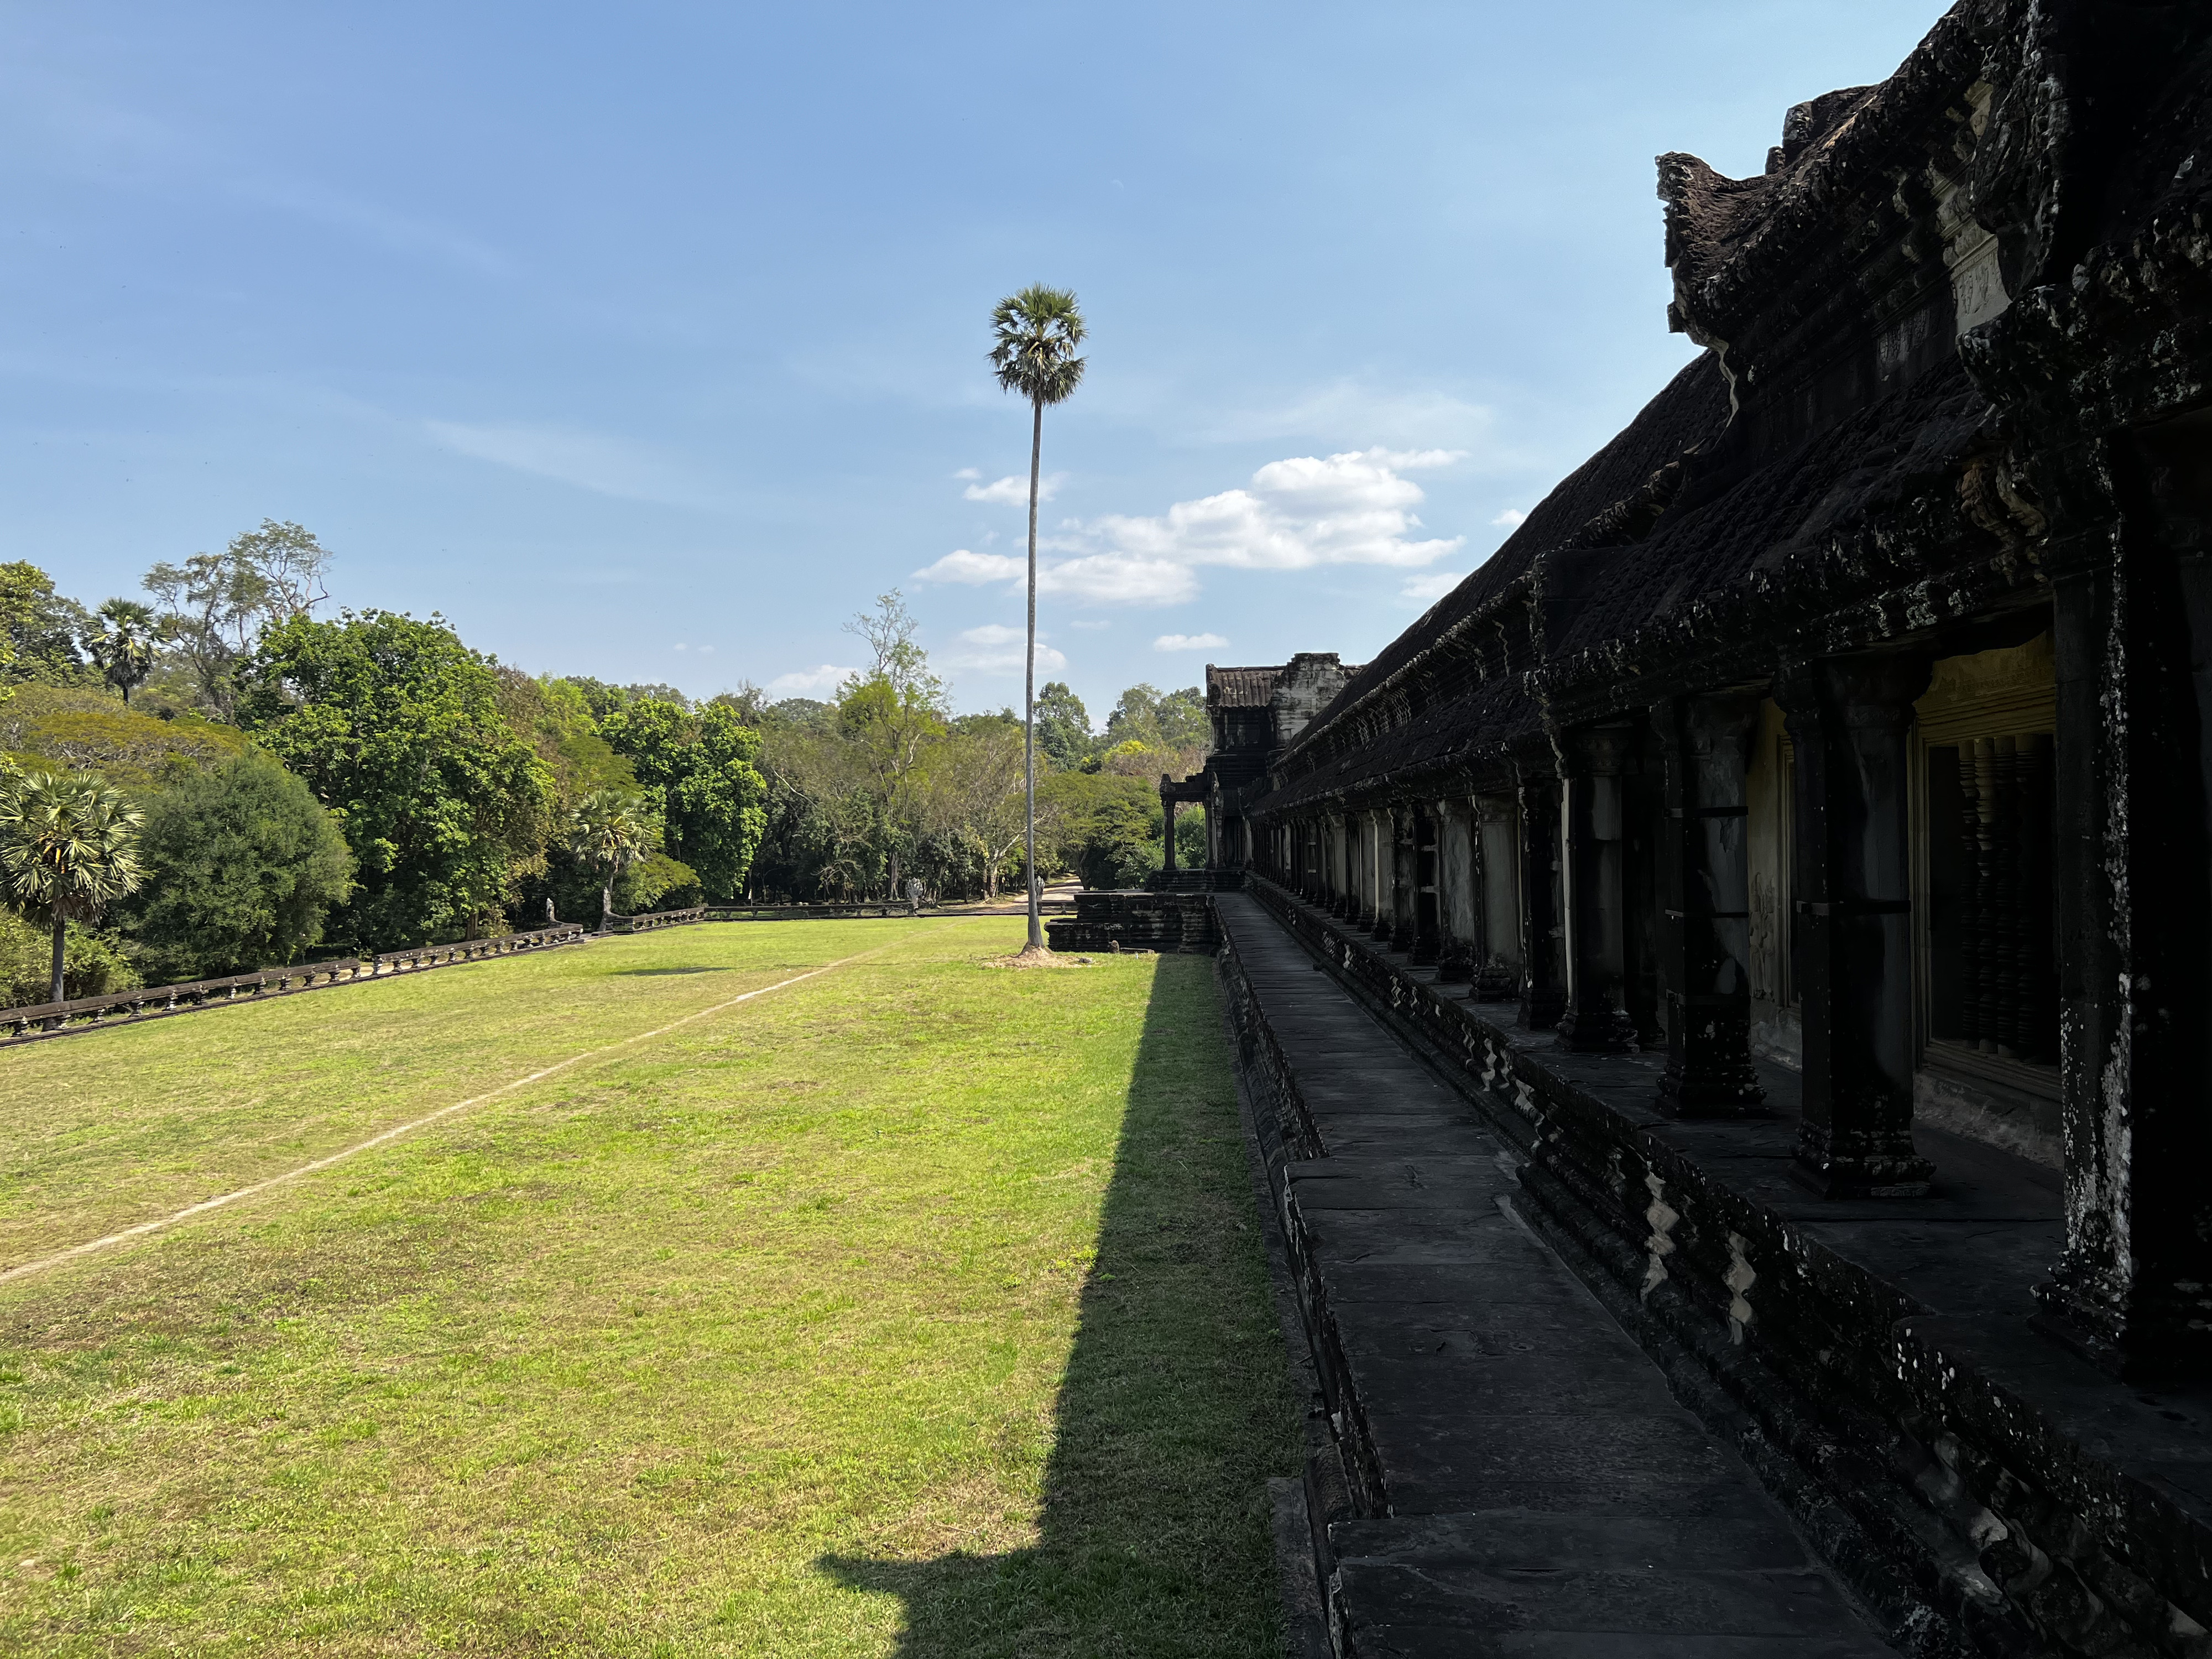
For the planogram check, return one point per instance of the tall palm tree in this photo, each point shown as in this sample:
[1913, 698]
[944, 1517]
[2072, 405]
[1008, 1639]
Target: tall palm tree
[68, 845]
[611, 830]
[1037, 332]
[123, 645]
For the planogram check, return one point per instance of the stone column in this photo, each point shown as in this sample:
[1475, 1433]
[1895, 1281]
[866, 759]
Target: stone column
[2133, 631]
[1543, 985]
[1167, 813]
[1704, 878]
[1849, 718]
[1457, 906]
[1405, 881]
[1595, 1020]
[1382, 853]
[1498, 940]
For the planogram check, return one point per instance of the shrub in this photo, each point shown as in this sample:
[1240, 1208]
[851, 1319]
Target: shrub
[242, 864]
[93, 962]
[661, 883]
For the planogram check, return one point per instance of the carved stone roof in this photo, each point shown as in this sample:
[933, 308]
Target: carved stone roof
[1240, 687]
[1832, 475]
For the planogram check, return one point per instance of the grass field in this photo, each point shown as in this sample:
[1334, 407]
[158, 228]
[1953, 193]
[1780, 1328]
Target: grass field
[916, 1308]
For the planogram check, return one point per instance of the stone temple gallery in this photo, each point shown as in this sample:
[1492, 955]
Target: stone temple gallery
[1778, 885]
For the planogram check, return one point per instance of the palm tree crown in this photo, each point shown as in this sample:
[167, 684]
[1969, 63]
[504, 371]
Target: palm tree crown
[611, 830]
[68, 845]
[1037, 332]
[122, 644]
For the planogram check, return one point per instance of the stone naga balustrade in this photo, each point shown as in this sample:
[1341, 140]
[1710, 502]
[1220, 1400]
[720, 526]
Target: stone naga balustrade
[41, 1020]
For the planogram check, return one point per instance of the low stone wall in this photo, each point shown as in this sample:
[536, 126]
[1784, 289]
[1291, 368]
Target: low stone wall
[51, 1019]
[796, 912]
[1989, 1494]
[38, 1021]
[1173, 922]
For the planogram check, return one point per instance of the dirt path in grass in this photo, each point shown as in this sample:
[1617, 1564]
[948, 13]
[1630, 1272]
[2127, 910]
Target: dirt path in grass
[162, 1223]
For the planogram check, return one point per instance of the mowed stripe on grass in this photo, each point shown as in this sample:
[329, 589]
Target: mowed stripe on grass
[917, 1309]
[385, 1137]
[106, 1130]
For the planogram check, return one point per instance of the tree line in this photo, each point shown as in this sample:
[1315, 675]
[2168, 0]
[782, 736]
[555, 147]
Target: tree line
[217, 778]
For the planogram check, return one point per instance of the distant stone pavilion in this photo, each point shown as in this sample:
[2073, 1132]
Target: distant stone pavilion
[1833, 750]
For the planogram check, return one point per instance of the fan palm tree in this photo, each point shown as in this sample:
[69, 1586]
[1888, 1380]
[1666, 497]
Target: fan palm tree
[1036, 333]
[123, 643]
[611, 830]
[69, 846]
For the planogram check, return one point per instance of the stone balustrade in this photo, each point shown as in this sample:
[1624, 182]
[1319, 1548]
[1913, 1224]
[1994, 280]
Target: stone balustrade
[47, 1019]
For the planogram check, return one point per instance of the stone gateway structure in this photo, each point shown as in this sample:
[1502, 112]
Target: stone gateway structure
[1796, 839]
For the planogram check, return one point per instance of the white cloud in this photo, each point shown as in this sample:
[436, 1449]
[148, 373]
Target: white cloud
[1116, 579]
[587, 460]
[1432, 586]
[1014, 491]
[1356, 508]
[1188, 642]
[995, 661]
[973, 569]
[812, 682]
[967, 472]
[1511, 515]
[993, 633]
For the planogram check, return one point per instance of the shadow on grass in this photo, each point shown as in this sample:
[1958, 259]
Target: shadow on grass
[657, 973]
[1175, 1411]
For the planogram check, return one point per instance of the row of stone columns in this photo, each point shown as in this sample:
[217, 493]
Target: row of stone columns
[1567, 890]
[2133, 873]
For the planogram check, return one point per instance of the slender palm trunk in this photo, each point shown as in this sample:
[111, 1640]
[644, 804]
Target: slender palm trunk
[61, 939]
[606, 903]
[1029, 694]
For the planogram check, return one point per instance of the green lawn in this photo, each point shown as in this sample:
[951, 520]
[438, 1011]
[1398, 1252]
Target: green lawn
[918, 1309]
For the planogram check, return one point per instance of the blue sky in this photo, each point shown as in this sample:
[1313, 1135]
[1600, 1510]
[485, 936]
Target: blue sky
[648, 341]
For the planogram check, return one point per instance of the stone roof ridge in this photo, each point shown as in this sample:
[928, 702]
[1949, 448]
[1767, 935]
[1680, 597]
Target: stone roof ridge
[1734, 243]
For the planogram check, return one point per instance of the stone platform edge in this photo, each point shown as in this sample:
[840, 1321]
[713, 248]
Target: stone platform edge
[1966, 1518]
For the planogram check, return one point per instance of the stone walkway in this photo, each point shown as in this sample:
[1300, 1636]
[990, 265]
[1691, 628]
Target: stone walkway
[1517, 1478]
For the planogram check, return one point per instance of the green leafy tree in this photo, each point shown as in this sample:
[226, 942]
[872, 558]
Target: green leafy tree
[122, 644]
[610, 831]
[1034, 334]
[1063, 727]
[887, 718]
[1109, 826]
[399, 727]
[68, 848]
[78, 728]
[702, 768]
[599, 699]
[43, 629]
[243, 865]
[216, 606]
[555, 717]
[1172, 719]
[974, 794]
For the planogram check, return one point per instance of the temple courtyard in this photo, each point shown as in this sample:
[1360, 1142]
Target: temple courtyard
[912, 1307]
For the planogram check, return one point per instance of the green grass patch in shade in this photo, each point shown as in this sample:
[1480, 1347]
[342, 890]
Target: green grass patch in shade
[918, 1309]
